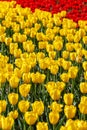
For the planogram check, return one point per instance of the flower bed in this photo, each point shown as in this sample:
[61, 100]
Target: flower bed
[43, 70]
[76, 9]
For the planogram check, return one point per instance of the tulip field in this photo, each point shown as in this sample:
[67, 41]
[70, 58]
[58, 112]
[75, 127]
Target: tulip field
[43, 65]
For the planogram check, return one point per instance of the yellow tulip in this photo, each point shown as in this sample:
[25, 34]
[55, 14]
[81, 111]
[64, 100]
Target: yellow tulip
[55, 94]
[54, 117]
[54, 69]
[13, 98]
[42, 45]
[23, 106]
[58, 45]
[7, 123]
[83, 105]
[31, 117]
[69, 46]
[68, 98]
[73, 70]
[85, 39]
[2, 78]
[14, 81]
[42, 126]
[24, 89]
[65, 54]
[3, 105]
[17, 53]
[37, 77]
[38, 107]
[26, 78]
[70, 111]
[13, 114]
[64, 77]
[84, 65]
[83, 87]
[56, 107]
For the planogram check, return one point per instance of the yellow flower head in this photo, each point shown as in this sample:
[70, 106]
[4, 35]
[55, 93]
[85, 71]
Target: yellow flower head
[24, 89]
[83, 105]
[13, 114]
[53, 117]
[73, 70]
[68, 98]
[13, 98]
[83, 87]
[23, 106]
[42, 126]
[38, 107]
[64, 77]
[14, 81]
[3, 105]
[7, 123]
[70, 111]
[31, 117]
[56, 107]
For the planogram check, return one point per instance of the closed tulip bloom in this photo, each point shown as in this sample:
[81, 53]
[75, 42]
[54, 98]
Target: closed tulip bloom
[13, 114]
[64, 77]
[30, 117]
[14, 81]
[66, 64]
[60, 85]
[70, 111]
[38, 107]
[63, 128]
[84, 65]
[52, 54]
[2, 78]
[42, 126]
[23, 106]
[42, 45]
[83, 87]
[53, 117]
[1, 121]
[56, 107]
[17, 53]
[24, 89]
[73, 70]
[17, 72]
[65, 54]
[3, 105]
[73, 56]
[58, 45]
[85, 39]
[38, 77]
[40, 55]
[13, 98]
[68, 98]
[69, 46]
[54, 69]
[7, 123]
[85, 75]
[55, 94]
[26, 78]
[71, 124]
[83, 105]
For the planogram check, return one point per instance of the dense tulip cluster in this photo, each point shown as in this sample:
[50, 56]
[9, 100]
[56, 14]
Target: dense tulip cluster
[43, 70]
[76, 9]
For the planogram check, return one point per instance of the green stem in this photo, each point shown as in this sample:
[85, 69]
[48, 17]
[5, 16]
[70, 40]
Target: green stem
[35, 89]
[30, 127]
[24, 125]
[13, 127]
[73, 83]
[54, 127]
